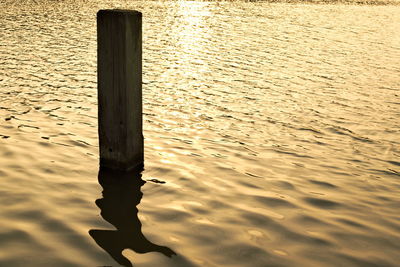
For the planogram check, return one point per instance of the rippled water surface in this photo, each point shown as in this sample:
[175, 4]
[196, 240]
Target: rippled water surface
[271, 137]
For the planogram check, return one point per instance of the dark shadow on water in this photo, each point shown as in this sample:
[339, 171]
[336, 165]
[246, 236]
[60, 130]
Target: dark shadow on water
[121, 195]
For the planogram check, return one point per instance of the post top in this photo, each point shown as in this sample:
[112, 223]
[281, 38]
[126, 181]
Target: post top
[118, 12]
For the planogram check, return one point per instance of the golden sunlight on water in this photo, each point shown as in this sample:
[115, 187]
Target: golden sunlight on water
[271, 137]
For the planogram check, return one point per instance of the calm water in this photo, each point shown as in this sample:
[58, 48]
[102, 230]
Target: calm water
[271, 137]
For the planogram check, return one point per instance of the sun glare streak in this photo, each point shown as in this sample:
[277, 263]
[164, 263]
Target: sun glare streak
[191, 36]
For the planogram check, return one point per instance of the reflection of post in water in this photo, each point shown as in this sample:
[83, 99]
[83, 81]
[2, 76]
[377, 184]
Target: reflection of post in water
[121, 195]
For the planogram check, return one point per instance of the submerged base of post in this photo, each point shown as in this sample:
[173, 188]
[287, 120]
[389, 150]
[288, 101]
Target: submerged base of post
[117, 166]
[119, 77]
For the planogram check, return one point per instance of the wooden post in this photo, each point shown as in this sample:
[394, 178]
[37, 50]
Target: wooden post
[119, 78]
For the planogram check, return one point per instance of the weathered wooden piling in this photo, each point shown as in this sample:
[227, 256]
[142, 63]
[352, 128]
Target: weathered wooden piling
[119, 78]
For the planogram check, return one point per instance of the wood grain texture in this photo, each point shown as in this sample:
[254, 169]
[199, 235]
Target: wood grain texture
[119, 34]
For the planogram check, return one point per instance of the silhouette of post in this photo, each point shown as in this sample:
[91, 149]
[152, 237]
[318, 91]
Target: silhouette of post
[119, 78]
[120, 197]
